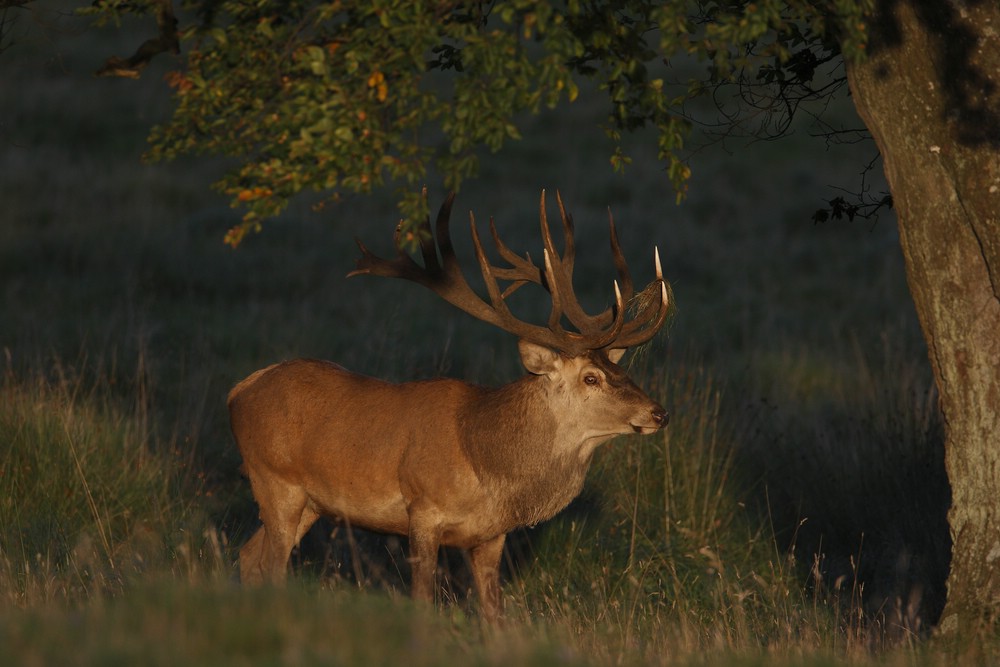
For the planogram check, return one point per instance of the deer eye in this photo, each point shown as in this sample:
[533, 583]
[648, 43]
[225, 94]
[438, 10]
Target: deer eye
[591, 379]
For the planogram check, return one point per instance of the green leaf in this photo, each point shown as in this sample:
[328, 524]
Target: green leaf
[288, 89]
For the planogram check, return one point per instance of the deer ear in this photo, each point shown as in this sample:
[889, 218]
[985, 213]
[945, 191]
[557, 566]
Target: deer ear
[537, 359]
[616, 353]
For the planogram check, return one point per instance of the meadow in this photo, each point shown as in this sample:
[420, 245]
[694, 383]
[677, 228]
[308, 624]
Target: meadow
[794, 511]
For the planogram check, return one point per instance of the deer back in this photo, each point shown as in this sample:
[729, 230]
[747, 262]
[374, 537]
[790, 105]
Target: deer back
[344, 437]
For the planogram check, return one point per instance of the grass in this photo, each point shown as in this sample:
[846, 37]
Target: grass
[792, 513]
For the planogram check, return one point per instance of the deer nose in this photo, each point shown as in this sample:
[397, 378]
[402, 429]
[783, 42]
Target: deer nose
[661, 417]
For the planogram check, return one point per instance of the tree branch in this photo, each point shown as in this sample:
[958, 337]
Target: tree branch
[166, 40]
[8, 19]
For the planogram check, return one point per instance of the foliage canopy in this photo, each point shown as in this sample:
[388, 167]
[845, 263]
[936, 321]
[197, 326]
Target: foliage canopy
[348, 96]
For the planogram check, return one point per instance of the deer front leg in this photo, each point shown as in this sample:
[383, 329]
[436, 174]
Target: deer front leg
[425, 536]
[485, 560]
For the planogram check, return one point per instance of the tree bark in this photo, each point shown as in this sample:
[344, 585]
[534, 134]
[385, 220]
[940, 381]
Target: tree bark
[930, 94]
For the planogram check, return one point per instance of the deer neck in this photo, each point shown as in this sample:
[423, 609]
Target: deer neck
[530, 458]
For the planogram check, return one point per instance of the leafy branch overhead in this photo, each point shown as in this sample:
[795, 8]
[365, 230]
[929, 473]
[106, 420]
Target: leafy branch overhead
[166, 40]
[348, 96]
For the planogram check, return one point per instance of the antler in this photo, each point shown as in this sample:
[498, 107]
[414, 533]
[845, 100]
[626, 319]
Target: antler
[608, 329]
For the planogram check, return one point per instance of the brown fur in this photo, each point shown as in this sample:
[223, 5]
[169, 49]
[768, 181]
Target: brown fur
[443, 462]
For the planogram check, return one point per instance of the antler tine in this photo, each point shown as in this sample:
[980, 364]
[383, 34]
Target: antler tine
[555, 281]
[492, 288]
[619, 259]
[522, 270]
[611, 334]
[609, 328]
[447, 283]
[554, 337]
[654, 307]
[546, 233]
[644, 334]
[427, 248]
[608, 316]
[370, 264]
[555, 316]
[560, 276]
[404, 266]
[424, 237]
[442, 228]
[569, 251]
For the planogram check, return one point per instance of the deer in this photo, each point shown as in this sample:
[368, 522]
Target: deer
[444, 462]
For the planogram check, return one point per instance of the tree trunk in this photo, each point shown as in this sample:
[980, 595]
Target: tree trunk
[930, 94]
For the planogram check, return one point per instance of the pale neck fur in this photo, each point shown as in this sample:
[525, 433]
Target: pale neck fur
[522, 454]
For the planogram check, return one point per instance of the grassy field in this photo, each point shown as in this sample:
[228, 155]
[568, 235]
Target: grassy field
[792, 513]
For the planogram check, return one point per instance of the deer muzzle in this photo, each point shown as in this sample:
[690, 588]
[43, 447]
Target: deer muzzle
[658, 418]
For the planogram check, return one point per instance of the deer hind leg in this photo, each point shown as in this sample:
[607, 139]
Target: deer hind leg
[287, 515]
[251, 571]
[485, 562]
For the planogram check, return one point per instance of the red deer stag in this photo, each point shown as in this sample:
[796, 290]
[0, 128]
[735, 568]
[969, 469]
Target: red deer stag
[442, 461]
